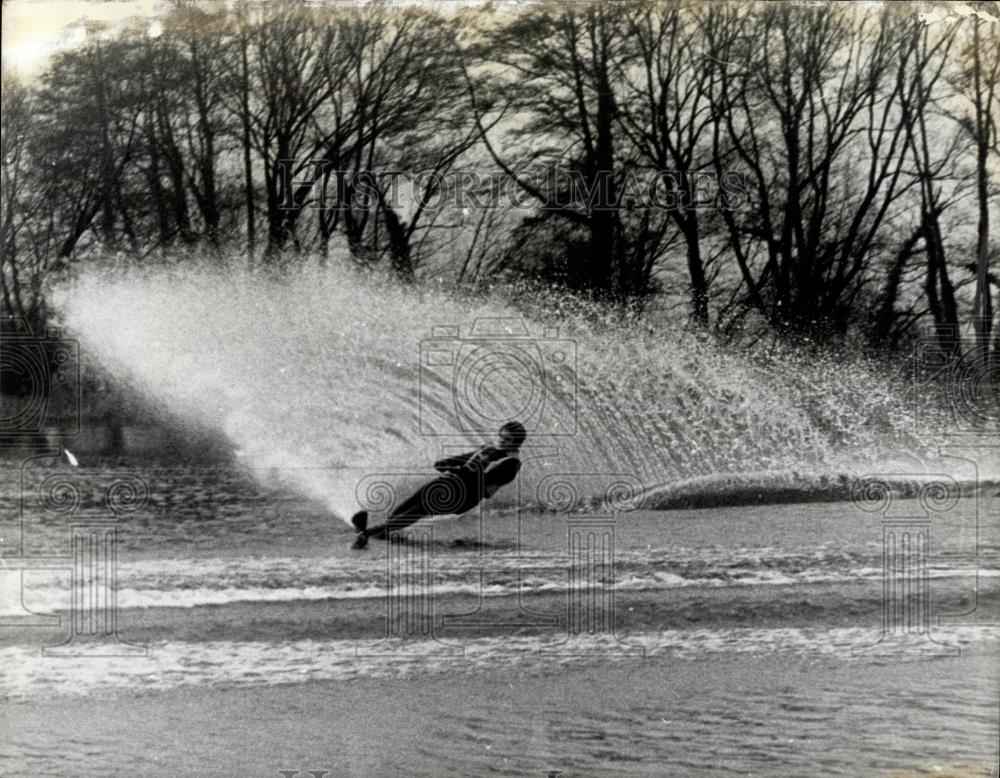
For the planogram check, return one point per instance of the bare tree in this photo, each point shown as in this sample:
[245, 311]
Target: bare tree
[20, 280]
[557, 82]
[667, 113]
[983, 57]
[87, 138]
[810, 99]
[288, 61]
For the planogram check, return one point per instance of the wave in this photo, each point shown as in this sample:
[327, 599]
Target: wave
[777, 488]
[205, 582]
[170, 665]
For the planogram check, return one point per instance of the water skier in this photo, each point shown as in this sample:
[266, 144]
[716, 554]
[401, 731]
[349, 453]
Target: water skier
[467, 480]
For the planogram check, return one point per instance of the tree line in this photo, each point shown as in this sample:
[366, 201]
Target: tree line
[820, 169]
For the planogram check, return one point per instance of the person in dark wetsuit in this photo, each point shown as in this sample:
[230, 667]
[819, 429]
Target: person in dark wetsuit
[468, 479]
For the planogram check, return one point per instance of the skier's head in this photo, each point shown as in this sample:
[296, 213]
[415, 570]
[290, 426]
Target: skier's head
[512, 435]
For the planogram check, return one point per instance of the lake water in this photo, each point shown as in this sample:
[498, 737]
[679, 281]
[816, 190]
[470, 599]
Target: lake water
[749, 641]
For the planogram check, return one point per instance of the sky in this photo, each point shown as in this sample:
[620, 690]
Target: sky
[34, 29]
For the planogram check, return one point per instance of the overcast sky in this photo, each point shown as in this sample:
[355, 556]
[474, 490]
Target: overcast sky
[34, 29]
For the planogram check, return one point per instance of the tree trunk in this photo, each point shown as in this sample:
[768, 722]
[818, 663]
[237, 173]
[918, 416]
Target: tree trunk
[247, 166]
[696, 271]
[983, 308]
[605, 276]
[886, 316]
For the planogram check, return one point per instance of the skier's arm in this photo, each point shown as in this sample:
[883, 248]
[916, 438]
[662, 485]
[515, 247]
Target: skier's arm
[457, 462]
[476, 459]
